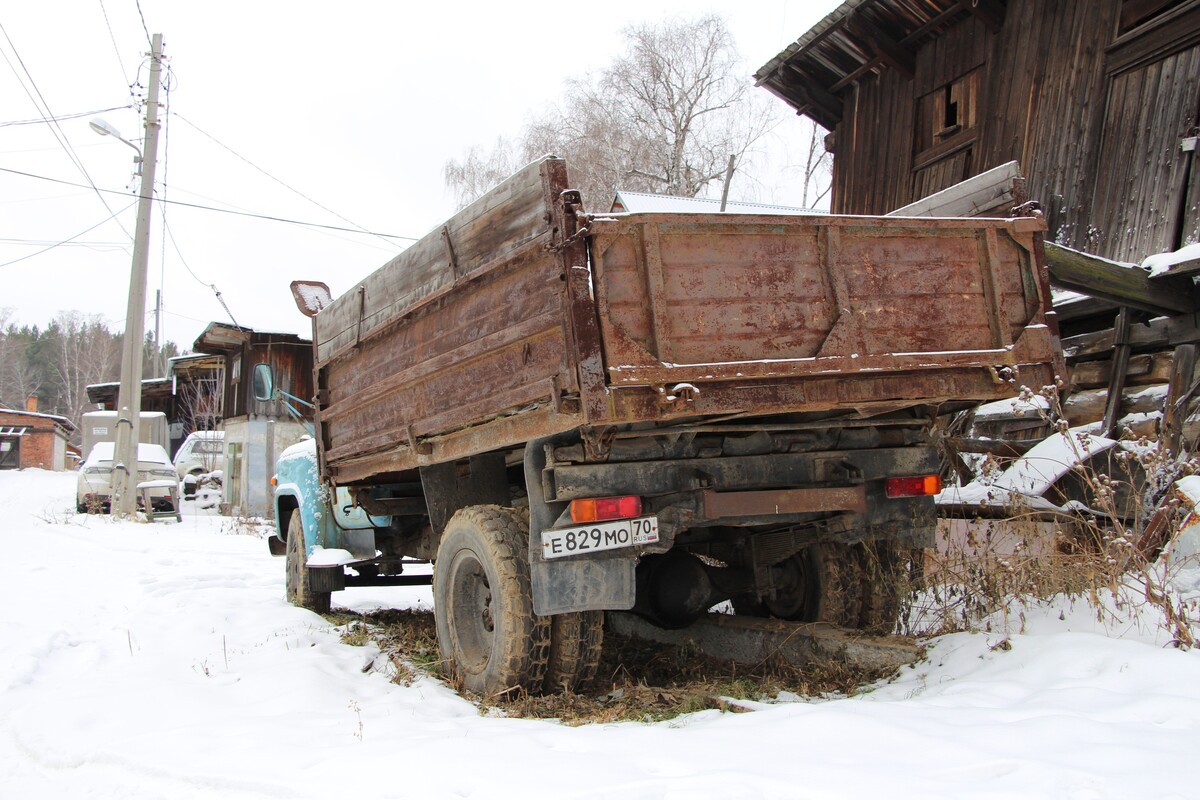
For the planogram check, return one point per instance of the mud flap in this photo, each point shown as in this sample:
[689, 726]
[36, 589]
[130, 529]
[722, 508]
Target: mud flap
[604, 581]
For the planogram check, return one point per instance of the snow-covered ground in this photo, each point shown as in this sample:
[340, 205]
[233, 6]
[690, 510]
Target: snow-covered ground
[161, 661]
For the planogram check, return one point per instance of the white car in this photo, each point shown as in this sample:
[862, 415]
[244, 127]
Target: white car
[201, 453]
[93, 491]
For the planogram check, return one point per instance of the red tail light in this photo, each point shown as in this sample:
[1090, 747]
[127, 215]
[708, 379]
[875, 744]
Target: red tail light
[604, 508]
[919, 486]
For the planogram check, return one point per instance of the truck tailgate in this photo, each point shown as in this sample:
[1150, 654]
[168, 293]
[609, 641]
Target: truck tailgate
[941, 307]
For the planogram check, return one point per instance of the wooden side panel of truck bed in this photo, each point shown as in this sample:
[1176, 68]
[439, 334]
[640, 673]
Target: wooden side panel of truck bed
[504, 326]
[464, 326]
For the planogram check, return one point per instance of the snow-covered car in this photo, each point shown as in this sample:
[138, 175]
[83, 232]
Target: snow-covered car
[93, 491]
[200, 454]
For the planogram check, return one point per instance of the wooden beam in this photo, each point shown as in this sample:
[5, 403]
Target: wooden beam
[989, 12]
[888, 49]
[1126, 284]
[795, 79]
[936, 22]
[1086, 346]
[987, 191]
[1116, 382]
[1005, 448]
[1181, 388]
[866, 67]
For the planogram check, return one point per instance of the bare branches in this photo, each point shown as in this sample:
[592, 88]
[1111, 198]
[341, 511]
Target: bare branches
[663, 117]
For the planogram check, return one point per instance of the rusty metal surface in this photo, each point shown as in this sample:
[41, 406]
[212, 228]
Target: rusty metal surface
[725, 505]
[690, 316]
[765, 296]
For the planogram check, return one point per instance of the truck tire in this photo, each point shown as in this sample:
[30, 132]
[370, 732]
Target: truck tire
[821, 583]
[884, 571]
[576, 641]
[488, 635]
[299, 588]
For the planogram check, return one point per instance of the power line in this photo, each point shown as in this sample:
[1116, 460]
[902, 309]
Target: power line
[65, 241]
[117, 50]
[61, 117]
[145, 30]
[223, 210]
[48, 116]
[272, 177]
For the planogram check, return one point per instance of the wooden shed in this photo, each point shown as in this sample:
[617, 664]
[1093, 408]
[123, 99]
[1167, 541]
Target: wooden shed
[256, 431]
[1097, 101]
[191, 395]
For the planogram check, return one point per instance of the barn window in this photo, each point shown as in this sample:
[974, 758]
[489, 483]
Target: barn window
[946, 119]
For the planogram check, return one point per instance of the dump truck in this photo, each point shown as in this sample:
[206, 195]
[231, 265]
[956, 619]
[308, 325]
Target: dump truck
[570, 413]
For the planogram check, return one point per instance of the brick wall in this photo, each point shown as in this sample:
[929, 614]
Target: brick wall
[41, 441]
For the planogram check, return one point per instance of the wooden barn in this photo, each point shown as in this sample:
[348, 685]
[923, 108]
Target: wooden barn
[1097, 101]
[1097, 104]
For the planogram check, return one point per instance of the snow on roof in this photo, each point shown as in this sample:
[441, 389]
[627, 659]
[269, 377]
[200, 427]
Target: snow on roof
[55, 417]
[642, 202]
[155, 453]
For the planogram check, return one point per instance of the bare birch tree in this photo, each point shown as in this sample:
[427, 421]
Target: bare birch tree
[664, 117]
[85, 352]
[18, 378]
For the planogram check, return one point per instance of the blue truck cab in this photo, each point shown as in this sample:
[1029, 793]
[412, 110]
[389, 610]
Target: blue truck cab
[335, 532]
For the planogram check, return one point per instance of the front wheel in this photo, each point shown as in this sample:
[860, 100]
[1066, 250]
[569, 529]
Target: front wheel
[298, 582]
[488, 635]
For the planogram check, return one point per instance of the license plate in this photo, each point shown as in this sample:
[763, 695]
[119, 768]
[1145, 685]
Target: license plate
[599, 536]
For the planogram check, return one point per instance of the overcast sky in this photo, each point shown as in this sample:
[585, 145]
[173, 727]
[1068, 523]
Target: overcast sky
[291, 110]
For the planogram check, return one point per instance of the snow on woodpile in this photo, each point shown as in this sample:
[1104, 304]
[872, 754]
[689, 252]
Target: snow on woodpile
[1161, 263]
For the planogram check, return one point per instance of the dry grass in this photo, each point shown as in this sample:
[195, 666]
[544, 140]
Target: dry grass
[637, 680]
[1106, 555]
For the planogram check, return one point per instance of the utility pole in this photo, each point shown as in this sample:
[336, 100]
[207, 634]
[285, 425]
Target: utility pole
[129, 400]
[160, 365]
[728, 178]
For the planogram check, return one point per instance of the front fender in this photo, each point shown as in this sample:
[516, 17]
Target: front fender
[299, 490]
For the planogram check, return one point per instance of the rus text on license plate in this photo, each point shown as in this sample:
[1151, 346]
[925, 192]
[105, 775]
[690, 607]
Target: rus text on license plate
[599, 536]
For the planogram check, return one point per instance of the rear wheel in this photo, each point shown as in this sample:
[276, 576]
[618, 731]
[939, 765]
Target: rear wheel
[822, 583]
[298, 581]
[488, 635]
[576, 641]
[885, 578]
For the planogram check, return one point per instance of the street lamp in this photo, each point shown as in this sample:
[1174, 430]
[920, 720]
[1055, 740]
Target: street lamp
[104, 129]
[125, 460]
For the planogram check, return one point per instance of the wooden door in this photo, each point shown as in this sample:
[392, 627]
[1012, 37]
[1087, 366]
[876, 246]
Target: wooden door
[1145, 193]
[10, 452]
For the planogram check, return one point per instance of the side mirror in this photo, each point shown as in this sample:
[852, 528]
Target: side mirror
[264, 388]
[311, 296]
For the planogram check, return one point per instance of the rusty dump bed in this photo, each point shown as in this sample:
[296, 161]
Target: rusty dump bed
[522, 318]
